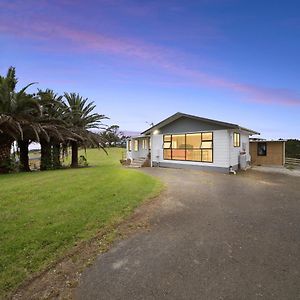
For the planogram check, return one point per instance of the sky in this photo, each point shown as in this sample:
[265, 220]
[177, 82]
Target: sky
[142, 61]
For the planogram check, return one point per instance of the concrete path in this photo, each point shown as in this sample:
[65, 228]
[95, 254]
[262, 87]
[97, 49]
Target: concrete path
[279, 170]
[213, 236]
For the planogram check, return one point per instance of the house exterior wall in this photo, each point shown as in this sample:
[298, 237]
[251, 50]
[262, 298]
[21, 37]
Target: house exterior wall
[235, 151]
[220, 153]
[275, 154]
[183, 125]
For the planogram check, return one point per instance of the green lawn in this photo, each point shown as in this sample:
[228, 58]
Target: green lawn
[43, 214]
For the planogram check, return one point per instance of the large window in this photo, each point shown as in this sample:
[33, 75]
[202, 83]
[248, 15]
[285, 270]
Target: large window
[236, 139]
[261, 149]
[129, 145]
[190, 147]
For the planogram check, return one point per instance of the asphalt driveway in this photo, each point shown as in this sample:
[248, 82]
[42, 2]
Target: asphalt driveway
[212, 236]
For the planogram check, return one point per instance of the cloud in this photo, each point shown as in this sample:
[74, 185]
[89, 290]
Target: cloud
[65, 38]
[252, 93]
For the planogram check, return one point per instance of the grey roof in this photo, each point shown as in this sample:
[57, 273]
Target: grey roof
[211, 121]
[265, 141]
[138, 137]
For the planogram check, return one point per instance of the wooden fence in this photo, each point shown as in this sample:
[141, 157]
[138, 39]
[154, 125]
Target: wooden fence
[292, 161]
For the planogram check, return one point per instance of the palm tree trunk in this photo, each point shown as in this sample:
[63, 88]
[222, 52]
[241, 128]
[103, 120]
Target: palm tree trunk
[5, 148]
[74, 163]
[56, 155]
[24, 155]
[46, 157]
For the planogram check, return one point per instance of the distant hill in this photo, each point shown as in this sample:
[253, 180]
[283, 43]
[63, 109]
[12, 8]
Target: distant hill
[130, 133]
[292, 148]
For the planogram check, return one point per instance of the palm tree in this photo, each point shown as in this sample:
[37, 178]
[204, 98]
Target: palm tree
[81, 118]
[17, 111]
[52, 117]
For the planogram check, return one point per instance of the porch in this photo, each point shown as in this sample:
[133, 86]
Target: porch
[138, 151]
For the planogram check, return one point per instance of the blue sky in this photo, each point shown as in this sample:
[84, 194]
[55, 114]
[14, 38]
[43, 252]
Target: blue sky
[141, 61]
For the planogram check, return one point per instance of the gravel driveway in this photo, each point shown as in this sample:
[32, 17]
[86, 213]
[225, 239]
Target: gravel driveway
[212, 236]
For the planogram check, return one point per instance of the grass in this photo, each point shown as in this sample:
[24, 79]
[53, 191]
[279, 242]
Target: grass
[290, 167]
[44, 214]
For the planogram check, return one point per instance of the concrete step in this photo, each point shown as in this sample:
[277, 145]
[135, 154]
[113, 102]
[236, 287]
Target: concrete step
[137, 163]
[133, 166]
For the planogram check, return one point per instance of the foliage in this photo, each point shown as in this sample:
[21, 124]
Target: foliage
[17, 109]
[44, 214]
[292, 148]
[81, 118]
[83, 161]
[80, 113]
[45, 117]
[113, 137]
[10, 165]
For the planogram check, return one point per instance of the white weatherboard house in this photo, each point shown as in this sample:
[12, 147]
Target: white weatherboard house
[186, 141]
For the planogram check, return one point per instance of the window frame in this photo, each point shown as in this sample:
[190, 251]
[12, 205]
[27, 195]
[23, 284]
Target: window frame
[188, 148]
[266, 152]
[234, 140]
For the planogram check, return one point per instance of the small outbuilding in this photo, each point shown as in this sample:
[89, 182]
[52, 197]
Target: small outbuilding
[267, 152]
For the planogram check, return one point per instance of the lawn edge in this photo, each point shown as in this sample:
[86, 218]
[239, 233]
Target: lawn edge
[101, 242]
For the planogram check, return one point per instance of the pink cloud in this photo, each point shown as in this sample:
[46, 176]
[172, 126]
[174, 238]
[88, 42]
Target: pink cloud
[164, 58]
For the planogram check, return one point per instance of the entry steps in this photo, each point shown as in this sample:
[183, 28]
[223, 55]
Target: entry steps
[137, 162]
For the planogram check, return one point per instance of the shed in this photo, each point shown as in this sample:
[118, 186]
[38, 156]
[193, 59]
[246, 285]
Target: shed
[267, 152]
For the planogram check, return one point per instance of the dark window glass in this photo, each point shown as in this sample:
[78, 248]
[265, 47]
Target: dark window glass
[261, 149]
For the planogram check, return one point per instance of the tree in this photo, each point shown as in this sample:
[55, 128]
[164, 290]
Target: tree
[52, 118]
[81, 118]
[292, 148]
[113, 136]
[17, 111]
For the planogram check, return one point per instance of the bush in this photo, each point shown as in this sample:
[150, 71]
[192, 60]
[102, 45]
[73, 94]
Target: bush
[83, 161]
[10, 165]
